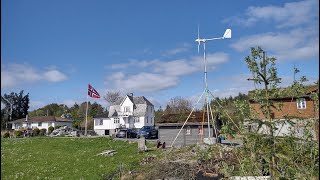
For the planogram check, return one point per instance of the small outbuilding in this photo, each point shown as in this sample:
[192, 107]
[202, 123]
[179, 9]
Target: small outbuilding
[190, 134]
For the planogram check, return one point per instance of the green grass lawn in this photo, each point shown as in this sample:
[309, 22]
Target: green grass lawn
[65, 158]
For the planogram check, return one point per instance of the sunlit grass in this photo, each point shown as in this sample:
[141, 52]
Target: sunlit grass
[65, 158]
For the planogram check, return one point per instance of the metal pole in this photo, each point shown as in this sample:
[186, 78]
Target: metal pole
[206, 86]
[85, 128]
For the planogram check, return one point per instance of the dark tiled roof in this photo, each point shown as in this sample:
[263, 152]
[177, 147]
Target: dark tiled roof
[43, 119]
[101, 115]
[134, 99]
[119, 101]
[180, 124]
[141, 100]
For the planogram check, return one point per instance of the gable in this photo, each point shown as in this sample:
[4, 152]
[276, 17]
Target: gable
[127, 102]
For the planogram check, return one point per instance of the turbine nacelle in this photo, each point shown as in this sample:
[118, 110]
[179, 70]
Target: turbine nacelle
[226, 35]
[200, 40]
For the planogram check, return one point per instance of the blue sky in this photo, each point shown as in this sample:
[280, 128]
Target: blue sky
[53, 49]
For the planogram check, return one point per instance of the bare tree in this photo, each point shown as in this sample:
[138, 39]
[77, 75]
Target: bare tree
[112, 96]
[179, 105]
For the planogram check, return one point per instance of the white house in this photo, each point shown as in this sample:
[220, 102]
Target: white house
[126, 112]
[40, 122]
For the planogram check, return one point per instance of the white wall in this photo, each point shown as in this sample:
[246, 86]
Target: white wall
[43, 125]
[150, 115]
[108, 123]
[127, 102]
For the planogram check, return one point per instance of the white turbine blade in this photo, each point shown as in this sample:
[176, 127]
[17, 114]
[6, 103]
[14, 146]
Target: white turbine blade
[198, 38]
[214, 38]
[198, 32]
[227, 33]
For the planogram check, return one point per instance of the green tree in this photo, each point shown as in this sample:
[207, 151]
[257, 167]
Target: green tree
[285, 157]
[95, 109]
[20, 104]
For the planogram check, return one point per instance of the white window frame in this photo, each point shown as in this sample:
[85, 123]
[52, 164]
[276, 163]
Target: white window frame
[147, 119]
[136, 119]
[126, 109]
[116, 120]
[96, 122]
[188, 131]
[39, 124]
[301, 103]
[49, 124]
[100, 122]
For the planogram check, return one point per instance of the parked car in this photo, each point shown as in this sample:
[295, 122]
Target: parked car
[148, 132]
[129, 133]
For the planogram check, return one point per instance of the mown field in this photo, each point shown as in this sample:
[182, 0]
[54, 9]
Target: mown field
[66, 158]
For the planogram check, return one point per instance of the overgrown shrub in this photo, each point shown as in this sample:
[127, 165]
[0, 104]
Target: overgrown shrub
[18, 133]
[43, 132]
[36, 131]
[57, 127]
[6, 135]
[50, 129]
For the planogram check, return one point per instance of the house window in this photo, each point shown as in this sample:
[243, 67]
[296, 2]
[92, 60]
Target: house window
[96, 122]
[136, 119]
[49, 124]
[188, 131]
[28, 124]
[147, 119]
[101, 122]
[116, 120]
[39, 124]
[127, 109]
[301, 103]
[17, 125]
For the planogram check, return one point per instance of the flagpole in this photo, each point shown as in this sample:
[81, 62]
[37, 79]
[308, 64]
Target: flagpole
[85, 131]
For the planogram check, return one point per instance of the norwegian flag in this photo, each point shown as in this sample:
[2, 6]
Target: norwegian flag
[92, 92]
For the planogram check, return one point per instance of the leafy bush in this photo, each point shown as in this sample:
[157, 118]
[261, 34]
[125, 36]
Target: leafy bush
[43, 131]
[57, 127]
[36, 131]
[6, 135]
[18, 133]
[50, 129]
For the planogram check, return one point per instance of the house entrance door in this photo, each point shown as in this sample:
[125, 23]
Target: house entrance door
[130, 121]
[106, 132]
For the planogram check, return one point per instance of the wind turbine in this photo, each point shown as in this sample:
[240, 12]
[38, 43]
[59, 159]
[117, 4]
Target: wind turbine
[226, 35]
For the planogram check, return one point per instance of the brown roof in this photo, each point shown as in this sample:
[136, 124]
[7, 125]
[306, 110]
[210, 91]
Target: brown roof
[43, 119]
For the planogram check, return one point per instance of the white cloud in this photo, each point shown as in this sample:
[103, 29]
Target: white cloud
[16, 74]
[295, 45]
[289, 15]
[184, 48]
[54, 76]
[163, 74]
[142, 82]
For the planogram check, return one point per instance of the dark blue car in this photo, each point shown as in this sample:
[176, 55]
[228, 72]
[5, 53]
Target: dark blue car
[148, 132]
[126, 133]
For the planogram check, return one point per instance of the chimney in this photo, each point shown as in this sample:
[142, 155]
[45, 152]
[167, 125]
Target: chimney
[130, 94]
[26, 117]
